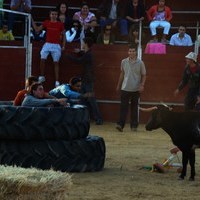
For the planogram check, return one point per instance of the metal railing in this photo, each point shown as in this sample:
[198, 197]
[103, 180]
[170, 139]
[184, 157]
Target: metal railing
[27, 41]
[140, 41]
[196, 44]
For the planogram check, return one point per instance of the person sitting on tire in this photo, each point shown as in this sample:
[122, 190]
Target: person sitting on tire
[70, 90]
[35, 98]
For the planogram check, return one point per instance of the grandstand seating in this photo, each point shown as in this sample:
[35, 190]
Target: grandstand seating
[163, 71]
[185, 13]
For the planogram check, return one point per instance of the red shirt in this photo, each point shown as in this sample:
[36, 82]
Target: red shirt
[153, 10]
[54, 31]
[20, 97]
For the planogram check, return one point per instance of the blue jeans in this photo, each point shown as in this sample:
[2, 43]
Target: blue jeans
[11, 19]
[155, 24]
[122, 23]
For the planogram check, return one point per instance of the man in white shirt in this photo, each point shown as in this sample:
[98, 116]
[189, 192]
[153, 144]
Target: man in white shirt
[181, 38]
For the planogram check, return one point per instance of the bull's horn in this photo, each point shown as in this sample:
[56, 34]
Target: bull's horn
[164, 104]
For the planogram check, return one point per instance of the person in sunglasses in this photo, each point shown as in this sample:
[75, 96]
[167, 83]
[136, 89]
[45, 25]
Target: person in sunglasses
[73, 34]
[106, 37]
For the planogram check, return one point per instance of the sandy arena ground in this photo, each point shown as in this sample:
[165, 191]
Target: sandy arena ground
[123, 178]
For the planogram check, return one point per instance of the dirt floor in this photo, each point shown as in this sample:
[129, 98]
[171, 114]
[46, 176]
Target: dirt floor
[124, 177]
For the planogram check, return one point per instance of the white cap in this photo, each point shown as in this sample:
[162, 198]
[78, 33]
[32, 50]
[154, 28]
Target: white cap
[192, 56]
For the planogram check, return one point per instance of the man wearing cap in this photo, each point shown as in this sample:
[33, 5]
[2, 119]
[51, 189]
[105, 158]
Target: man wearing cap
[191, 77]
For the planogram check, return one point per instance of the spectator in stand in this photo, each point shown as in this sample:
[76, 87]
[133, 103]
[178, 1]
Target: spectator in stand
[35, 98]
[106, 37]
[87, 19]
[131, 83]
[1, 13]
[88, 77]
[135, 12]
[133, 36]
[38, 36]
[73, 34]
[5, 34]
[20, 6]
[54, 32]
[22, 93]
[191, 77]
[159, 16]
[112, 12]
[63, 15]
[71, 91]
[181, 38]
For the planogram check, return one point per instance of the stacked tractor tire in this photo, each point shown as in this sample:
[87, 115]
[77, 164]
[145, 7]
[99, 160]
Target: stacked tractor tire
[45, 138]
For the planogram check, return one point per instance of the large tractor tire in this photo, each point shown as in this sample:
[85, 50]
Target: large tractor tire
[32, 123]
[83, 155]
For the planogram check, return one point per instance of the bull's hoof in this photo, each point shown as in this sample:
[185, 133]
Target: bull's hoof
[191, 179]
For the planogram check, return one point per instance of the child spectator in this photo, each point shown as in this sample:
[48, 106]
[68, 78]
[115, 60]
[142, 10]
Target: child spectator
[5, 34]
[181, 38]
[159, 16]
[106, 37]
[54, 31]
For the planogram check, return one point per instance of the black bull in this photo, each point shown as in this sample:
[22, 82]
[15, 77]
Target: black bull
[184, 130]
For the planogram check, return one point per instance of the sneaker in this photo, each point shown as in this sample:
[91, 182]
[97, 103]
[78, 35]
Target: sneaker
[99, 122]
[119, 128]
[41, 79]
[57, 83]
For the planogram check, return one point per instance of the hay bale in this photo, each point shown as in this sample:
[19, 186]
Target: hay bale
[17, 183]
